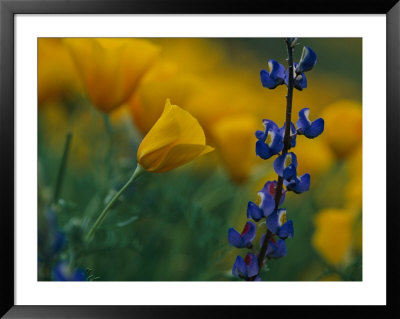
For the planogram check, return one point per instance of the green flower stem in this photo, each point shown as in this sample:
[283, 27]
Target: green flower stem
[109, 155]
[62, 168]
[138, 172]
[286, 146]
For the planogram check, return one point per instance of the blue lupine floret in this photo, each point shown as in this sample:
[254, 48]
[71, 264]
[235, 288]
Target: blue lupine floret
[307, 60]
[265, 202]
[246, 268]
[278, 224]
[273, 78]
[270, 141]
[308, 128]
[276, 249]
[285, 165]
[245, 238]
[298, 184]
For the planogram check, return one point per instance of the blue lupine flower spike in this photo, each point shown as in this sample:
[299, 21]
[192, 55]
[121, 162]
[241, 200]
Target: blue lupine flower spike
[270, 141]
[265, 203]
[278, 224]
[307, 60]
[300, 80]
[285, 165]
[308, 128]
[246, 268]
[245, 238]
[275, 77]
[299, 184]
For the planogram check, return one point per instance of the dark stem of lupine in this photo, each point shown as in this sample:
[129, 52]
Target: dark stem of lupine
[286, 146]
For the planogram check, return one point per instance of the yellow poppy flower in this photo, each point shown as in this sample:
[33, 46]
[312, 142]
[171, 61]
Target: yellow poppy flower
[111, 68]
[234, 138]
[314, 156]
[57, 75]
[333, 236]
[174, 140]
[163, 80]
[343, 129]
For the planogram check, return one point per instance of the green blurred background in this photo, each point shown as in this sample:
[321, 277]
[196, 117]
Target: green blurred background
[107, 94]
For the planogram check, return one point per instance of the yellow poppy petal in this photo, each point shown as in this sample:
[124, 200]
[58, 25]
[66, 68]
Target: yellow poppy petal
[181, 154]
[165, 132]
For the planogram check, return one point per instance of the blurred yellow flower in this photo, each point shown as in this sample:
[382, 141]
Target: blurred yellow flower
[162, 80]
[314, 156]
[57, 75]
[235, 140]
[343, 126]
[174, 140]
[333, 236]
[111, 68]
[353, 190]
[193, 54]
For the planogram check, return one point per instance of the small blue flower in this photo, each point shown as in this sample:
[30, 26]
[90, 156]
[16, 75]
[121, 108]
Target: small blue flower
[308, 128]
[299, 184]
[307, 60]
[270, 141]
[62, 272]
[245, 238]
[300, 80]
[51, 240]
[58, 242]
[275, 77]
[276, 249]
[293, 133]
[247, 268]
[265, 203]
[278, 224]
[285, 165]
[254, 211]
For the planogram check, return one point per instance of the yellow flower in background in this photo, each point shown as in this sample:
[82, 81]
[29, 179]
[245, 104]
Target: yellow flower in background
[111, 68]
[193, 54]
[343, 128]
[333, 236]
[234, 138]
[174, 140]
[353, 190]
[163, 79]
[57, 75]
[314, 156]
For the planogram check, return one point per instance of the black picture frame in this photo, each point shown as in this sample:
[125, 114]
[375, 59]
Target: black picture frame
[8, 10]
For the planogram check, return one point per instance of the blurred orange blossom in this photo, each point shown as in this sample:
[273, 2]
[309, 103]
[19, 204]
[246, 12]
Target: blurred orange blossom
[111, 68]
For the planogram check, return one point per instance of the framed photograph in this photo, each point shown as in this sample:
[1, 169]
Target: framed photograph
[160, 155]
